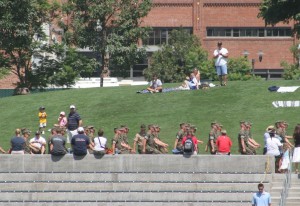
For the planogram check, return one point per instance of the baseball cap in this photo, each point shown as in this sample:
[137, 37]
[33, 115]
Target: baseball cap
[62, 113]
[37, 132]
[80, 129]
[269, 128]
[42, 107]
[72, 106]
[223, 131]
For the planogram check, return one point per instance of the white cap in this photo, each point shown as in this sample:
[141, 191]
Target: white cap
[63, 113]
[72, 106]
[80, 129]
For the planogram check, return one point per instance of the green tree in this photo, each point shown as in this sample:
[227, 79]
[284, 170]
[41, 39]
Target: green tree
[109, 27]
[275, 11]
[20, 26]
[177, 59]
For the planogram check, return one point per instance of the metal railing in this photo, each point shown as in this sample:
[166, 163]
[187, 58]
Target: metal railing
[287, 182]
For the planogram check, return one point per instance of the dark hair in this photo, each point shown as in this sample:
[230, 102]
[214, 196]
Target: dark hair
[100, 132]
[260, 185]
[296, 134]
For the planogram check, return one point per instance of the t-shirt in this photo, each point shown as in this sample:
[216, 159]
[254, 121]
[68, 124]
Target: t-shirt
[17, 143]
[224, 143]
[42, 117]
[79, 143]
[58, 143]
[73, 121]
[273, 145]
[261, 199]
[38, 142]
[221, 60]
[155, 84]
[100, 143]
[194, 139]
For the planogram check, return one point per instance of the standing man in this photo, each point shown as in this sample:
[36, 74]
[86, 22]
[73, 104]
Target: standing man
[261, 198]
[74, 121]
[221, 55]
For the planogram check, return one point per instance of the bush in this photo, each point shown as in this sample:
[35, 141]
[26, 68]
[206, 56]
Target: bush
[291, 71]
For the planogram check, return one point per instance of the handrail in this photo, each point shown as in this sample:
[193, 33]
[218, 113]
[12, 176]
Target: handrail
[287, 182]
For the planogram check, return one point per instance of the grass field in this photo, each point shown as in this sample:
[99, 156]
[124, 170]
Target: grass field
[110, 107]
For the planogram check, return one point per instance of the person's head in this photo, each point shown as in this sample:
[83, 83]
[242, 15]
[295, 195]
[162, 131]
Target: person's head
[219, 44]
[195, 71]
[223, 132]
[42, 109]
[18, 132]
[91, 129]
[272, 132]
[58, 130]
[297, 131]
[80, 130]
[100, 132]
[260, 187]
[25, 132]
[72, 108]
[143, 127]
[62, 114]
[154, 77]
[37, 134]
[270, 128]
[54, 130]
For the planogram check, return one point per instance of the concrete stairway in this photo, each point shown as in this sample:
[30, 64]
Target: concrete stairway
[131, 180]
[293, 198]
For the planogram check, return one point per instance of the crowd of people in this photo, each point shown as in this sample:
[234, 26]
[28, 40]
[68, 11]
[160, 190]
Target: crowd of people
[69, 130]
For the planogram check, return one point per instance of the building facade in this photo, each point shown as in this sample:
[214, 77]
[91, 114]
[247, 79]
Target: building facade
[234, 22]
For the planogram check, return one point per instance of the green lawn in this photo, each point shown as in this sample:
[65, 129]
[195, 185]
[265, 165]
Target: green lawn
[111, 107]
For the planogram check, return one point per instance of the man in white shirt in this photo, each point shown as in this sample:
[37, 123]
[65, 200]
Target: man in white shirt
[37, 144]
[221, 55]
[155, 85]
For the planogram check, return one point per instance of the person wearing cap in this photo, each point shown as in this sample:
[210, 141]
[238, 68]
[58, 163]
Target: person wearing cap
[245, 146]
[194, 130]
[178, 140]
[266, 136]
[61, 120]
[17, 143]
[220, 55]
[42, 119]
[274, 148]
[26, 134]
[58, 143]
[139, 138]
[37, 144]
[80, 143]
[223, 143]
[73, 122]
[212, 137]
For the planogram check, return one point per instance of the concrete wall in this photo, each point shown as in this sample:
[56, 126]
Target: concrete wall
[136, 163]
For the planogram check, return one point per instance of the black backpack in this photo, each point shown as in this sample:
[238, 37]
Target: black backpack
[188, 146]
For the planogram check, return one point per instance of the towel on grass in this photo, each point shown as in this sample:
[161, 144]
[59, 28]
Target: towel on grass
[287, 89]
[295, 103]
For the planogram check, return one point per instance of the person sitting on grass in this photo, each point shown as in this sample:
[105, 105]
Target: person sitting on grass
[38, 144]
[155, 85]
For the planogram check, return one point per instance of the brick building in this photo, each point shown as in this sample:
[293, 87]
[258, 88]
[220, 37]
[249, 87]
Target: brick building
[234, 22]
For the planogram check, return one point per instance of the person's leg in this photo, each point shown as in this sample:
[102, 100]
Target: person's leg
[296, 168]
[224, 74]
[219, 73]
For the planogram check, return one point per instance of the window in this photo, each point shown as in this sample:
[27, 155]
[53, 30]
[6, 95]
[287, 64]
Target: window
[159, 36]
[249, 32]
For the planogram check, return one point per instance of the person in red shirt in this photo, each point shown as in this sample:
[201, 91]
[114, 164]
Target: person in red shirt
[194, 139]
[224, 143]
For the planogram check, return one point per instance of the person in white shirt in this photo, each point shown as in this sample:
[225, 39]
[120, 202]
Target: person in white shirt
[155, 85]
[220, 56]
[274, 146]
[37, 144]
[100, 143]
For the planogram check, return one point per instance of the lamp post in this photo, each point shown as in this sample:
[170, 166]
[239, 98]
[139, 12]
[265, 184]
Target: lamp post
[253, 64]
[99, 29]
[246, 53]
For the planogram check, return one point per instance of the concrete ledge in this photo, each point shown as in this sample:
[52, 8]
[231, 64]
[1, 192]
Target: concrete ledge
[136, 163]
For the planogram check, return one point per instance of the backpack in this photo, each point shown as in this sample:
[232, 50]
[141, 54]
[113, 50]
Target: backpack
[188, 146]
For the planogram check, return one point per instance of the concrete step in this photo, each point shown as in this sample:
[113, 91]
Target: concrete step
[165, 177]
[130, 186]
[125, 203]
[124, 196]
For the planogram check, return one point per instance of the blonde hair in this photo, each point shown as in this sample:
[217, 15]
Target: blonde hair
[18, 131]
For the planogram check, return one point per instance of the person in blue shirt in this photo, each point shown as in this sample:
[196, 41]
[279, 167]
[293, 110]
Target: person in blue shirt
[261, 198]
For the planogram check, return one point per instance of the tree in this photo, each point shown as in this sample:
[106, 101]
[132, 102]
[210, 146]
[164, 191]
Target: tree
[108, 27]
[20, 23]
[275, 11]
[177, 59]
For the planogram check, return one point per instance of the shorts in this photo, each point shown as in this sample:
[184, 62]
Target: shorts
[43, 125]
[221, 70]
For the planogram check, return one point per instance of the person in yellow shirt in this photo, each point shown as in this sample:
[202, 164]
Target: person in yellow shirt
[42, 119]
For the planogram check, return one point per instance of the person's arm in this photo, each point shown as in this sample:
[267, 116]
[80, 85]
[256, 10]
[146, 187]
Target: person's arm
[211, 142]
[113, 148]
[2, 150]
[160, 143]
[175, 144]
[80, 123]
[243, 145]
[144, 145]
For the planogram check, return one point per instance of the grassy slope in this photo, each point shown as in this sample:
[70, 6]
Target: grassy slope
[110, 107]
